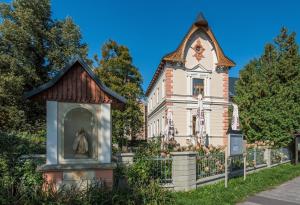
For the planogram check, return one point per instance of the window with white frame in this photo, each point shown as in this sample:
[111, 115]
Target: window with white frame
[197, 86]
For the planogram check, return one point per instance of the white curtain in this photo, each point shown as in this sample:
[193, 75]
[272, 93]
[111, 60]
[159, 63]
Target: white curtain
[169, 129]
[200, 121]
[235, 123]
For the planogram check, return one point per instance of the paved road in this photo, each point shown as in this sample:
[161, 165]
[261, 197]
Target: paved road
[285, 194]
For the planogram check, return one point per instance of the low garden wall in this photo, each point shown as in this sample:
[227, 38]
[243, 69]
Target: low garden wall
[183, 171]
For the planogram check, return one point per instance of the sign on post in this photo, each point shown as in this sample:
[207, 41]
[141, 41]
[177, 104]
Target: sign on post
[236, 144]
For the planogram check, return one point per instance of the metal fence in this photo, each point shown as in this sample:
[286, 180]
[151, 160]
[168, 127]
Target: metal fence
[161, 169]
[236, 162]
[280, 155]
[255, 157]
[214, 164]
[210, 165]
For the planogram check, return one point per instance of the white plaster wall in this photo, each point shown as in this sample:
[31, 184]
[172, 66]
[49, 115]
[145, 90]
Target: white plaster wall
[216, 121]
[153, 94]
[216, 84]
[152, 122]
[182, 89]
[179, 82]
[208, 61]
[105, 139]
[51, 148]
[180, 119]
[102, 131]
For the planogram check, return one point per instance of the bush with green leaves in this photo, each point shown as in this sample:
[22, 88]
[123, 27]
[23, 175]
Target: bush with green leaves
[21, 183]
[141, 177]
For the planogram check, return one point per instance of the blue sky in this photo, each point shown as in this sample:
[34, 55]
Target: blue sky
[150, 29]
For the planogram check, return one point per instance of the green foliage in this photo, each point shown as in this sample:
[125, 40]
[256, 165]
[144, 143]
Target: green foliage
[21, 183]
[32, 45]
[143, 167]
[268, 93]
[117, 72]
[142, 179]
[18, 177]
[238, 189]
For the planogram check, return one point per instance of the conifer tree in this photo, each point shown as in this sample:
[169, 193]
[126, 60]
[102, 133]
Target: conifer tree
[268, 92]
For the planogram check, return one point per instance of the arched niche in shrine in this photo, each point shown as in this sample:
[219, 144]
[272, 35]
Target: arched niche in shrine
[79, 136]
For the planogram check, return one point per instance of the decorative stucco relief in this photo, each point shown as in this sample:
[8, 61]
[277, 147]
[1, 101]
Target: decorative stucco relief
[198, 48]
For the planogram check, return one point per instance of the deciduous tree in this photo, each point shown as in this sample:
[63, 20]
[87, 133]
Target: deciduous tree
[117, 71]
[32, 46]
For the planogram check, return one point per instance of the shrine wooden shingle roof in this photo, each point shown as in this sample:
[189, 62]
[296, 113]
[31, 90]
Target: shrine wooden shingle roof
[76, 82]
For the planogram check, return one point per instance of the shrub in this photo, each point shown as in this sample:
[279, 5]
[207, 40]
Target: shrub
[20, 183]
[141, 179]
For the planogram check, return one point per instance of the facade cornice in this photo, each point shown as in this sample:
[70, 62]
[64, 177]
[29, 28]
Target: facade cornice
[157, 108]
[190, 101]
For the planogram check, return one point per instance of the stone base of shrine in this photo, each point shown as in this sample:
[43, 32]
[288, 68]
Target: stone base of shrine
[78, 176]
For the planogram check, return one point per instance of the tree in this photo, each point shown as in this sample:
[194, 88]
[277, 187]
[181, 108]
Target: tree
[116, 71]
[32, 45]
[268, 92]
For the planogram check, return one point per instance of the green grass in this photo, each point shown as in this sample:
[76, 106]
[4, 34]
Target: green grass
[238, 189]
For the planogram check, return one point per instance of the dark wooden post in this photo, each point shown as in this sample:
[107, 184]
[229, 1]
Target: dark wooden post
[297, 146]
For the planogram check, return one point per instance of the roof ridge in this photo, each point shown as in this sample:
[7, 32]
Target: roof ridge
[64, 70]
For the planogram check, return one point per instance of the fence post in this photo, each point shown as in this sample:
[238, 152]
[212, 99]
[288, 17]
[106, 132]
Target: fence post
[184, 170]
[255, 156]
[267, 156]
[281, 154]
[125, 158]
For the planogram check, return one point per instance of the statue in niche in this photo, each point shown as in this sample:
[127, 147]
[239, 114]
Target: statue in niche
[80, 144]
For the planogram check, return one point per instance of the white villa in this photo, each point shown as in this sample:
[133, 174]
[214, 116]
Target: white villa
[197, 66]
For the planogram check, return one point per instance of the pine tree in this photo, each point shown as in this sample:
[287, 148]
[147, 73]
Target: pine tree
[268, 92]
[117, 72]
[31, 46]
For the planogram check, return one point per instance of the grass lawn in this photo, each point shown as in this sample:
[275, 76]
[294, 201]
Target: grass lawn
[238, 189]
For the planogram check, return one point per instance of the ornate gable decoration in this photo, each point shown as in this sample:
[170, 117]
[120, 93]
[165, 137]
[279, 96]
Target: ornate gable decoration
[199, 50]
[177, 55]
[200, 24]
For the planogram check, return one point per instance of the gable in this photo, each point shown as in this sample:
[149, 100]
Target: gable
[178, 56]
[199, 50]
[75, 83]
